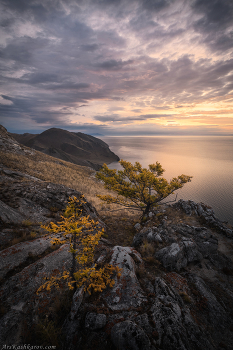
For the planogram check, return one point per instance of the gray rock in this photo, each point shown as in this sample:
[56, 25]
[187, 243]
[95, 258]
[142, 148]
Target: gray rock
[76, 303]
[95, 321]
[8, 143]
[18, 254]
[18, 174]
[72, 324]
[190, 250]
[6, 236]
[11, 328]
[158, 238]
[174, 325]
[144, 322]
[172, 257]
[150, 236]
[208, 247]
[126, 292]
[177, 256]
[140, 236]
[33, 200]
[206, 213]
[10, 215]
[216, 314]
[18, 293]
[127, 335]
[137, 226]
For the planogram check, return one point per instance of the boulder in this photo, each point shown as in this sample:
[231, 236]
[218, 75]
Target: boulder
[177, 256]
[18, 254]
[18, 293]
[128, 335]
[172, 257]
[126, 292]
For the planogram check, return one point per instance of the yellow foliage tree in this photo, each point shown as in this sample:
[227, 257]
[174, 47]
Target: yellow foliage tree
[83, 235]
[137, 187]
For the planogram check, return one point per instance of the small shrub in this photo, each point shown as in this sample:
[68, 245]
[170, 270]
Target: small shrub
[33, 234]
[83, 235]
[147, 249]
[138, 188]
[27, 223]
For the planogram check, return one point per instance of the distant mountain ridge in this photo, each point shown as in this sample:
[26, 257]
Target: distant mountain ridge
[77, 148]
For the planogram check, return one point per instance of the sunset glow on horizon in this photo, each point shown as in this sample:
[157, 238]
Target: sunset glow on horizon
[117, 67]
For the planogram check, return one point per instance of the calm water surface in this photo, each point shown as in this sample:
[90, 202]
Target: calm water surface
[209, 159]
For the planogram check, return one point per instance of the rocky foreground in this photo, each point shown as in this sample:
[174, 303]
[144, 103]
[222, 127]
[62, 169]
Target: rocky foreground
[175, 291]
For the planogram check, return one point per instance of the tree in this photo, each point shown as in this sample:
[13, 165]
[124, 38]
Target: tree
[137, 187]
[83, 235]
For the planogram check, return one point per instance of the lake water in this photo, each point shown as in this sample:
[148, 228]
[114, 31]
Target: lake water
[209, 159]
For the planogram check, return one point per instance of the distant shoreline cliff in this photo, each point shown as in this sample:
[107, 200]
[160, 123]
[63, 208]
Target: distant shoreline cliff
[77, 148]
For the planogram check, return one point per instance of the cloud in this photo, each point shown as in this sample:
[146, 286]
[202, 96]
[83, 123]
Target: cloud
[136, 110]
[217, 17]
[118, 118]
[90, 47]
[142, 56]
[113, 64]
[22, 50]
[156, 5]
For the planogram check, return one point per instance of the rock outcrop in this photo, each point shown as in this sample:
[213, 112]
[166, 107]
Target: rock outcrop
[186, 303]
[8, 143]
[205, 213]
[26, 256]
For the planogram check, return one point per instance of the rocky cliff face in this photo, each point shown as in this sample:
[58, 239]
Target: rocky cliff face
[180, 296]
[175, 291]
[77, 148]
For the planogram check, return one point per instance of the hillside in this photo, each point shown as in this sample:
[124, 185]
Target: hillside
[175, 291]
[77, 148]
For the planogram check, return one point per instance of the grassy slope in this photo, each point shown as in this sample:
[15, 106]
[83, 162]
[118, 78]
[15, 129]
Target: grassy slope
[119, 222]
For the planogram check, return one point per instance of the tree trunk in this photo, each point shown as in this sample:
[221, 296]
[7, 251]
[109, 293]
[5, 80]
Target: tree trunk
[146, 211]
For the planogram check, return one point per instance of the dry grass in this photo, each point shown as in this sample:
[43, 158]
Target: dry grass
[119, 222]
[26, 234]
[120, 226]
[147, 249]
[54, 170]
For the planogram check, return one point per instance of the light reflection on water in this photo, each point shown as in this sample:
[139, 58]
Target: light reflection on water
[209, 159]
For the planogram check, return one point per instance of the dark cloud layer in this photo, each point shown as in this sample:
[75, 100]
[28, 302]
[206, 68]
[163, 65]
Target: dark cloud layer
[60, 56]
[118, 118]
[215, 23]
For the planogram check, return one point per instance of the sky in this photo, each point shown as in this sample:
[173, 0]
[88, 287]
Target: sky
[117, 67]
